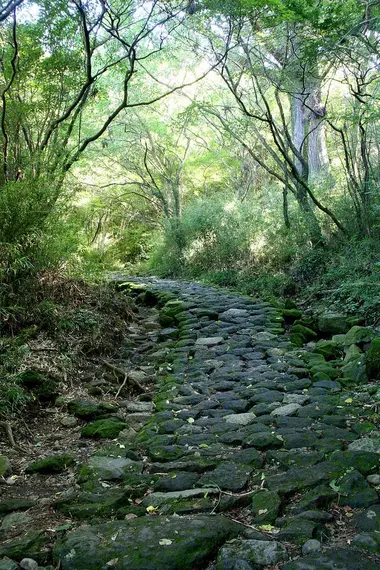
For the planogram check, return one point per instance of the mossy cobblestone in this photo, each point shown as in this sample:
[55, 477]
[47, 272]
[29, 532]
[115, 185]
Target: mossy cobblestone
[246, 424]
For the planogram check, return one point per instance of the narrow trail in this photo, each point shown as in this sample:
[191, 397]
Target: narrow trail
[244, 463]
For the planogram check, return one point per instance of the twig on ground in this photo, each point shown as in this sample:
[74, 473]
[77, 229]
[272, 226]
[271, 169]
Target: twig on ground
[8, 430]
[250, 526]
[123, 373]
[122, 385]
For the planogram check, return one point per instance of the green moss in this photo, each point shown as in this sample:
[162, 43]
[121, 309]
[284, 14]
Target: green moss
[353, 353]
[355, 371]
[328, 349]
[325, 369]
[45, 389]
[364, 427]
[31, 379]
[291, 315]
[297, 340]
[103, 429]
[304, 332]
[32, 545]
[52, 464]
[90, 409]
[265, 506]
[372, 364]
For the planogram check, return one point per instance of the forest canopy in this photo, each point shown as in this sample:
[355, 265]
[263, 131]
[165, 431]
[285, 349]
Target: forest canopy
[234, 141]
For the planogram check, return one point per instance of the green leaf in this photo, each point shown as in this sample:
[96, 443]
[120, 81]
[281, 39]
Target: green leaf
[334, 486]
[63, 527]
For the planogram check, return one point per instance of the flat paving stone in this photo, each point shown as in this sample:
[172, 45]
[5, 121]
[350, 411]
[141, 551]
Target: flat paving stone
[240, 419]
[229, 476]
[288, 410]
[209, 341]
[148, 543]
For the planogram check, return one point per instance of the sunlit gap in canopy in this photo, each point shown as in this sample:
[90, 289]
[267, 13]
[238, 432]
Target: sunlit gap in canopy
[28, 13]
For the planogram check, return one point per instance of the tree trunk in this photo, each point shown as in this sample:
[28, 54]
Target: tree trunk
[317, 155]
[299, 122]
[285, 207]
[308, 212]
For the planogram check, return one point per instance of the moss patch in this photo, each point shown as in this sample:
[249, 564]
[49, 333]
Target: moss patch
[52, 464]
[103, 429]
[373, 360]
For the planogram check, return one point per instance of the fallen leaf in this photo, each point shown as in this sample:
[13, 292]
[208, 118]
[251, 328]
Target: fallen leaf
[191, 420]
[112, 562]
[165, 542]
[267, 527]
[262, 511]
[63, 527]
[151, 509]
[11, 480]
[130, 516]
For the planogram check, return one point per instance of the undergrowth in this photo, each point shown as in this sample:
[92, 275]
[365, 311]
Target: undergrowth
[55, 322]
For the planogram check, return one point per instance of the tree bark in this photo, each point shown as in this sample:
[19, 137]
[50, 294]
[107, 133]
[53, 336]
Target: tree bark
[317, 155]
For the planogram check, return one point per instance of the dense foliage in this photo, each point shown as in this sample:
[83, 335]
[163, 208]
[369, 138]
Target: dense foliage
[232, 141]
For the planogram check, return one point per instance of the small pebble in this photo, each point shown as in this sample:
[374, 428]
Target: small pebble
[374, 479]
[28, 564]
[45, 501]
[311, 546]
[69, 421]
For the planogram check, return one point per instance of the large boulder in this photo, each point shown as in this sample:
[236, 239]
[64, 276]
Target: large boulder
[149, 543]
[333, 323]
[354, 372]
[359, 335]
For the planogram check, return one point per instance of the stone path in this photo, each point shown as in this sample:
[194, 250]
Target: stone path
[244, 464]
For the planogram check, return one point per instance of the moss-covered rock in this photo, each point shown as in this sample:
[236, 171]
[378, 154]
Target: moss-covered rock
[148, 542]
[297, 340]
[325, 369]
[353, 352]
[169, 312]
[31, 379]
[304, 332]
[372, 361]
[8, 564]
[359, 335]
[354, 372]
[103, 429]
[265, 506]
[5, 466]
[333, 323]
[11, 505]
[291, 315]
[328, 349]
[86, 409]
[34, 544]
[51, 464]
[44, 388]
